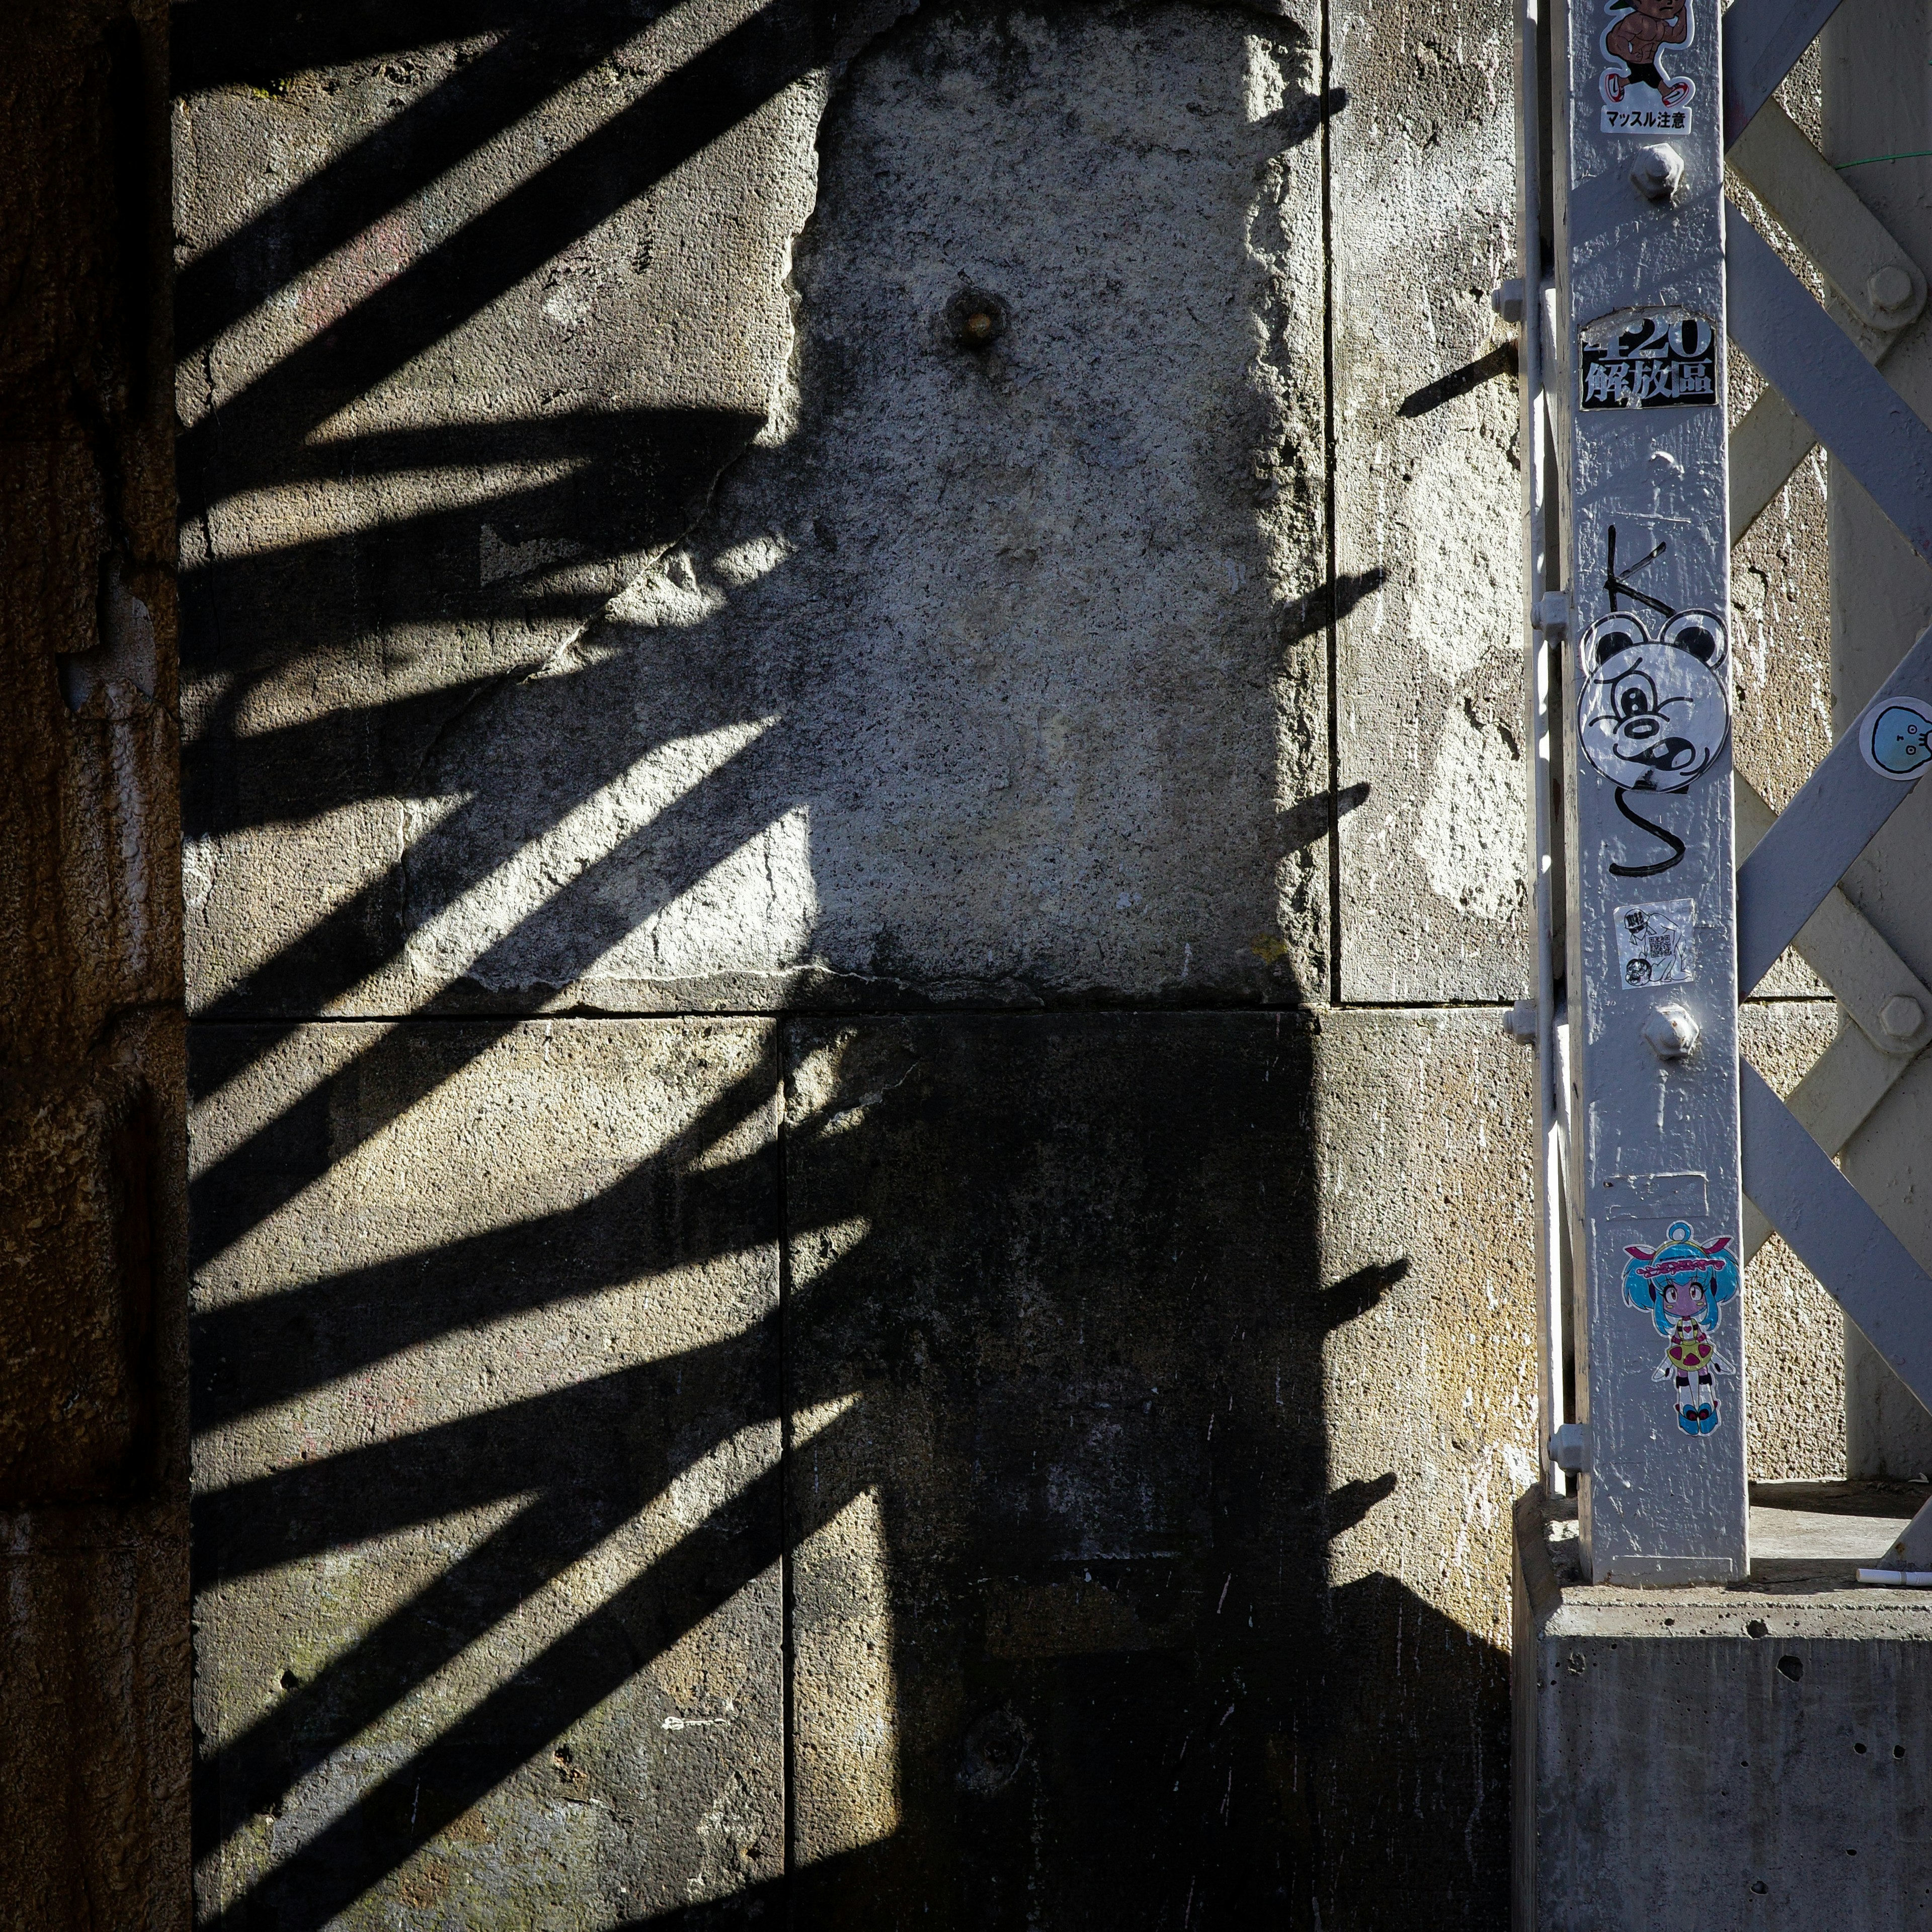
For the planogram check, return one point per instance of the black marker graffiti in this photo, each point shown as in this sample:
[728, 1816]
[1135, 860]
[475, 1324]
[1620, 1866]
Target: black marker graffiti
[1670, 839]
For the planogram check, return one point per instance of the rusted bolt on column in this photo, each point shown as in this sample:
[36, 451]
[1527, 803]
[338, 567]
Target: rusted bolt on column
[1673, 1032]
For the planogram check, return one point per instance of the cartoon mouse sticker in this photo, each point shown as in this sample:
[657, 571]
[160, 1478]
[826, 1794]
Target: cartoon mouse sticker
[1639, 94]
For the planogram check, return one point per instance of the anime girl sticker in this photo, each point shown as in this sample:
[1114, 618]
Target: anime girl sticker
[1682, 1286]
[1640, 96]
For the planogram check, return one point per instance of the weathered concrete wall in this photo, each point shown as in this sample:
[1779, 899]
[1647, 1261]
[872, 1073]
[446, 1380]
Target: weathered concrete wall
[94, 1749]
[1052, 1391]
[807, 1292]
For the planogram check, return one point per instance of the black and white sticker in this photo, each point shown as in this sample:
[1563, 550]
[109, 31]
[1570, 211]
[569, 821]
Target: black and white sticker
[1648, 359]
[1656, 943]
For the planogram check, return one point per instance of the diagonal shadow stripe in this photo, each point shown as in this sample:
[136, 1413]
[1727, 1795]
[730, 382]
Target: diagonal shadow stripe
[249, 1773]
[535, 58]
[638, 478]
[272, 1348]
[696, 832]
[224, 42]
[595, 1658]
[305, 1126]
[241, 444]
[613, 1433]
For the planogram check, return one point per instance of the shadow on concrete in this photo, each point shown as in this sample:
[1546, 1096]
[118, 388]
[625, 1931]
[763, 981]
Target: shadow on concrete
[1077, 1354]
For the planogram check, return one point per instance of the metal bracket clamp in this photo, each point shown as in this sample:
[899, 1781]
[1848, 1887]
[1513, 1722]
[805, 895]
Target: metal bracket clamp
[1848, 244]
[1854, 411]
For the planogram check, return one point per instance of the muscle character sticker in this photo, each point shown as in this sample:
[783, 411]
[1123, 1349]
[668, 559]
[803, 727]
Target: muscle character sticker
[1640, 96]
[1682, 1287]
[1895, 737]
[1656, 943]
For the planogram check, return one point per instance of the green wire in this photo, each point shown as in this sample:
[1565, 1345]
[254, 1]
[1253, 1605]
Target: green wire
[1917, 155]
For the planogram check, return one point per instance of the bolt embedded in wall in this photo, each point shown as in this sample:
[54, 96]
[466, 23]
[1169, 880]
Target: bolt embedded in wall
[1657, 171]
[1570, 1448]
[977, 319]
[1519, 1022]
[1672, 1032]
[1507, 300]
[1901, 1016]
[1889, 288]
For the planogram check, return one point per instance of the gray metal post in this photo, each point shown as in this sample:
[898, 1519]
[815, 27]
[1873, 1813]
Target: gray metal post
[1635, 374]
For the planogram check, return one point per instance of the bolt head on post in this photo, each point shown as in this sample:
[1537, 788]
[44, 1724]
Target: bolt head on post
[1889, 288]
[1901, 1016]
[1657, 173]
[1673, 1032]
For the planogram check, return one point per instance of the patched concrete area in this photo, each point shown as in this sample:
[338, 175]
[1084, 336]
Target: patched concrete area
[1151, 1510]
[488, 1523]
[987, 675]
[1427, 592]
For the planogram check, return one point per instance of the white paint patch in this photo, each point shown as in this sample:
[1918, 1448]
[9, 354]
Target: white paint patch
[1467, 547]
[1266, 82]
[1470, 842]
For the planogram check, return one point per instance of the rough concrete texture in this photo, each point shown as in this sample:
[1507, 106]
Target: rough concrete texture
[94, 1733]
[1427, 574]
[487, 1540]
[1793, 1331]
[1728, 1758]
[984, 678]
[972, 1468]
[1143, 1467]
[1182, 1454]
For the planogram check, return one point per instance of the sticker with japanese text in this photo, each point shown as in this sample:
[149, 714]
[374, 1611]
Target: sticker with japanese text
[1641, 95]
[1648, 359]
[1682, 1286]
[1656, 943]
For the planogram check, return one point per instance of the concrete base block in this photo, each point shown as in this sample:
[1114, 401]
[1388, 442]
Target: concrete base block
[1755, 1756]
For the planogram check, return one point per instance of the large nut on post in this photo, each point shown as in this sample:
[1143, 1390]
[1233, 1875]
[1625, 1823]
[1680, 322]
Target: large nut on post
[1902, 1016]
[1570, 1448]
[1673, 1032]
[1657, 173]
[1889, 289]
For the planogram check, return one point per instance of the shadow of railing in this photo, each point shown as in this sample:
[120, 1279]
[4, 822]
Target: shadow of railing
[1024, 1309]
